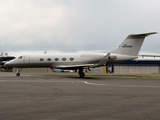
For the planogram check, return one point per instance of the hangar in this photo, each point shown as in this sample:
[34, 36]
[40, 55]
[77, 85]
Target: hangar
[144, 64]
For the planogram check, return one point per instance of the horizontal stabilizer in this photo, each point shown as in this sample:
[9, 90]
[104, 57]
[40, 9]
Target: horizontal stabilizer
[143, 34]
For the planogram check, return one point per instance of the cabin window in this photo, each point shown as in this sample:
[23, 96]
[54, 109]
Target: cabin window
[41, 59]
[56, 59]
[20, 57]
[49, 59]
[64, 59]
[71, 59]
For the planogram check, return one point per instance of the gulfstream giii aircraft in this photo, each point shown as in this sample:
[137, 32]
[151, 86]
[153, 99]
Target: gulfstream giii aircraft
[128, 50]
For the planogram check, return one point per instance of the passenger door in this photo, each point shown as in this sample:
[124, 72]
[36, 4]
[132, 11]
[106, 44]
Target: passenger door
[26, 60]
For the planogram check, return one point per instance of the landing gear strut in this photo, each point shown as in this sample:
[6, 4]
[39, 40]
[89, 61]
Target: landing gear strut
[81, 73]
[18, 72]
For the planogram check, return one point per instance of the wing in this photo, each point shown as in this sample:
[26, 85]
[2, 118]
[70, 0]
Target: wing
[76, 66]
[101, 63]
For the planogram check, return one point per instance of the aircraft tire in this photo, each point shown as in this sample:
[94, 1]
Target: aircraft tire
[17, 74]
[82, 74]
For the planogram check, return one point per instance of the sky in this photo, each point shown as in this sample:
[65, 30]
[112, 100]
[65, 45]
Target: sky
[31, 26]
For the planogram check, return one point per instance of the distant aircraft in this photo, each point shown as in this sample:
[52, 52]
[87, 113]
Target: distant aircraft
[128, 50]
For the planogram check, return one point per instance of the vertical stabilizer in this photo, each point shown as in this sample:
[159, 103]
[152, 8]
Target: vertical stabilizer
[132, 44]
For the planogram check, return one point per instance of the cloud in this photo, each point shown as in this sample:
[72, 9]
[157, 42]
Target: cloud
[74, 25]
[26, 23]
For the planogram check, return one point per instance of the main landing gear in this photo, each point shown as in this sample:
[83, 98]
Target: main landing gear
[18, 72]
[81, 73]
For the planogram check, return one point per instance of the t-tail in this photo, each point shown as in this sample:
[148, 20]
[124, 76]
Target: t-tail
[132, 44]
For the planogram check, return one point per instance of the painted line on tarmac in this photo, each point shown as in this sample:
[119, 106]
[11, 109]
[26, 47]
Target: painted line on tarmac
[85, 82]
[41, 81]
[111, 85]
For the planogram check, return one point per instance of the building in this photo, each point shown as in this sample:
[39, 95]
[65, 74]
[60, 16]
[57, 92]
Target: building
[144, 64]
[4, 58]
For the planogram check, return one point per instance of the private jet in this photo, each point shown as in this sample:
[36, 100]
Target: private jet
[128, 50]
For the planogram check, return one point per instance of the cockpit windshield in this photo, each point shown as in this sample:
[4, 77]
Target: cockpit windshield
[20, 57]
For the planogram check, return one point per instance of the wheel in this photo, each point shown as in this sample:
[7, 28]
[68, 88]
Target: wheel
[82, 74]
[17, 74]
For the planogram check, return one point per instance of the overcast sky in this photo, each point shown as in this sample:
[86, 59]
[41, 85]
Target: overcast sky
[76, 25]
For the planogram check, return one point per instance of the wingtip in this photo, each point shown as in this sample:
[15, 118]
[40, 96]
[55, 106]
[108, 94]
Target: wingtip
[154, 32]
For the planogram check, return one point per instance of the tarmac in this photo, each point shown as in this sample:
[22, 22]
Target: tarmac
[68, 97]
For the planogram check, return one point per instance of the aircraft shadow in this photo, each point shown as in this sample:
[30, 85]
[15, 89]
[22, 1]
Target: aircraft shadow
[86, 77]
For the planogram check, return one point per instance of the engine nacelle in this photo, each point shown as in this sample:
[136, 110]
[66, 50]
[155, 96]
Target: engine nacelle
[112, 57]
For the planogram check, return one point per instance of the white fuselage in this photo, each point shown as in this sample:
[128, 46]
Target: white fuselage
[66, 60]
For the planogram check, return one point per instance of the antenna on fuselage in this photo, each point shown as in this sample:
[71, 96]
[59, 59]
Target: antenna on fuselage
[45, 52]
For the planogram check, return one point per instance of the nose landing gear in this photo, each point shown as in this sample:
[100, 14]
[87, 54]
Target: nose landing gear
[18, 72]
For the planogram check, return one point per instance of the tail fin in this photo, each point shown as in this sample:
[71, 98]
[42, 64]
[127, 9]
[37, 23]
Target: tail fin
[132, 44]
